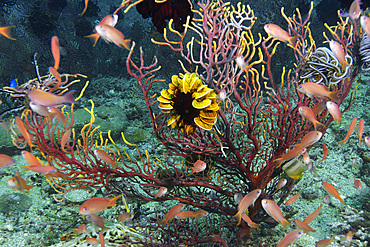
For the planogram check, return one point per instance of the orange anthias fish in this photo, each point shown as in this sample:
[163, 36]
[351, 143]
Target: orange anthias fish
[316, 90]
[350, 130]
[278, 33]
[80, 229]
[23, 130]
[310, 138]
[293, 199]
[43, 98]
[96, 220]
[361, 126]
[248, 199]
[18, 183]
[110, 20]
[105, 157]
[30, 158]
[111, 34]
[97, 204]
[6, 161]
[291, 154]
[303, 226]
[55, 51]
[198, 166]
[354, 10]
[282, 182]
[367, 141]
[325, 242]
[325, 150]
[84, 10]
[161, 192]
[186, 215]
[307, 113]
[365, 23]
[358, 184]
[65, 139]
[5, 31]
[126, 217]
[338, 51]
[290, 238]
[43, 170]
[332, 191]
[172, 213]
[249, 221]
[334, 111]
[274, 211]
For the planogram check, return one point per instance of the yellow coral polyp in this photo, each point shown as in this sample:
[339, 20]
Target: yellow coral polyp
[190, 103]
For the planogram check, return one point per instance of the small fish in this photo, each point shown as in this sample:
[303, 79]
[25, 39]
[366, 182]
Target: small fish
[84, 10]
[126, 217]
[319, 107]
[161, 192]
[244, 66]
[325, 242]
[357, 184]
[55, 51]
[43, 170]
[172, 213]
[350, 130]
[5, 31]
[339, 53]
[43, 98]
[312, 89]
[325, 151]
[18, 183]
[238, 197]
[278, 33]
[110, 20]
[80, 229]
[290, 238]
[307, 113]
[65, 139]
[361, 126]
[311, 168]
[96, 220]
[186, 215]
[306, 158]
[354, 163]
[303, 226]
[39, 109]
[291, 154]
[57, 76]
[313, 215]
[354, 10]
[332, 191]
[326, 199]
[13, 83]
[6, 161]
[4, 125]
[282, 182]
[201, 213]
[249, 221]
[248, 199]
[293, 199]
[274, 211]
[112, 35]
[30, 158]
[97, 204]
[105, 157]
[365, 23]
[55, 112]
[23, 130]
[310, 138]
[349, 237]
[367, 141]
[333, 109]
[198, 166]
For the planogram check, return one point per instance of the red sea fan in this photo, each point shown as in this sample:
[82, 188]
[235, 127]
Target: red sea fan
[177, 10]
